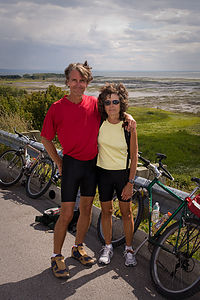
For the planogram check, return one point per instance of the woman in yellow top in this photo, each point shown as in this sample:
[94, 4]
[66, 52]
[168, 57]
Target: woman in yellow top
[113, 174]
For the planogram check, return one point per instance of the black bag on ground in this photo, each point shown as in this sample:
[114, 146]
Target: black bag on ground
[51, 215]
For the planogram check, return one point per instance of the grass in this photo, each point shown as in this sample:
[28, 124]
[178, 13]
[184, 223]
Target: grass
[175, 134]
[9, 121]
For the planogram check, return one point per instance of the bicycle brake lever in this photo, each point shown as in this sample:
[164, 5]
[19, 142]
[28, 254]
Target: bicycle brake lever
[155, 170]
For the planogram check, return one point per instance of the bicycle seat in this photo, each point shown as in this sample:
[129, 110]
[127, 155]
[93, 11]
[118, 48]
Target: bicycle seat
[161, 156]
[195, 179]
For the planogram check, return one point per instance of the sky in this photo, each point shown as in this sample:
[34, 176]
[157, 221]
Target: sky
[135, 35]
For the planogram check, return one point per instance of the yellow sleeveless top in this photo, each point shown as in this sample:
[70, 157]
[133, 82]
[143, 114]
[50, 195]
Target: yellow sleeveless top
[112, 146]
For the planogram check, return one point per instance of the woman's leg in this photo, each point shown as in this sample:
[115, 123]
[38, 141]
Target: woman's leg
[128, 223]
[106, 220]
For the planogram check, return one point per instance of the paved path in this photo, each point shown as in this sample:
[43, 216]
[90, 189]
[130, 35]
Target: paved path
[25, 253]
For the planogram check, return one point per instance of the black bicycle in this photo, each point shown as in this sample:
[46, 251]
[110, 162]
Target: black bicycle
[39, 171]
[118, 237]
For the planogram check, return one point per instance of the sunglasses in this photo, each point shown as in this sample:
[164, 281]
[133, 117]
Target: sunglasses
[108, 102]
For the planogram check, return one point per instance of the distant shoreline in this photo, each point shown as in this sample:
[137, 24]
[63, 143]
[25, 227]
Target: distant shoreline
[118, 73]
[171, 94]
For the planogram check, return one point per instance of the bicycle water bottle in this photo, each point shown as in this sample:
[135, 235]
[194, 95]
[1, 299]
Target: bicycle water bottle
[162, 220]
[28, 160]
[155, 213]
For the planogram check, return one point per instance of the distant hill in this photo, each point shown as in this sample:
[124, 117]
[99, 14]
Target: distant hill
[41, 76]
[26, 71]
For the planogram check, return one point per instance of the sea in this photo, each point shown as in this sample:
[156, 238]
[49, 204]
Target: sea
[148, 74]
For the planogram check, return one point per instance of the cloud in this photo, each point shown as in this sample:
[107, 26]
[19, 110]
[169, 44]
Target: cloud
[115, 34]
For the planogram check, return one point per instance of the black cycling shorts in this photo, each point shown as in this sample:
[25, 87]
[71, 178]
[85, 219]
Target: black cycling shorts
[109, 181]
[77, 173]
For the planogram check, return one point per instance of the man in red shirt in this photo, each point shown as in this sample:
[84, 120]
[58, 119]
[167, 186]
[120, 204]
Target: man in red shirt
[75, 119]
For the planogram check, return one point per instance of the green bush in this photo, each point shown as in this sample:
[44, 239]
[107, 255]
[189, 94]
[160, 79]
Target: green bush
[30, 107]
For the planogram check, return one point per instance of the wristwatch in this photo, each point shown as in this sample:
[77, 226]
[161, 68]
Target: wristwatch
[131, 181]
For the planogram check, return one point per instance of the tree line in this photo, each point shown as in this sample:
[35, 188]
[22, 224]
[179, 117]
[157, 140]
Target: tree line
[41, 76]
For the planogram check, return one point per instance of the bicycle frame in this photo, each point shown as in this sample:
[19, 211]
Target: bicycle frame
[181, 206]
[24, 152]
[37, 158]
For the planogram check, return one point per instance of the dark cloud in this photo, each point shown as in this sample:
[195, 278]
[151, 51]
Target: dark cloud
[153, 5]
[61, 3]
[131, 34]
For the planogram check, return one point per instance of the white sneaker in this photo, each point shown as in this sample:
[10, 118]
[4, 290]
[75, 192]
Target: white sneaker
[130, 260]
[106, 255]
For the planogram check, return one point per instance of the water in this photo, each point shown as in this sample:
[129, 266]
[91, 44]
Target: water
[148, 74]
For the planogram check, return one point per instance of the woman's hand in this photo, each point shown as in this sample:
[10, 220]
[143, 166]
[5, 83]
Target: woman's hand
[127, 192]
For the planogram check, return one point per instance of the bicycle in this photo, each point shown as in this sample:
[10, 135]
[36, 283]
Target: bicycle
[39, 171]
[175, 259]
[118, 237]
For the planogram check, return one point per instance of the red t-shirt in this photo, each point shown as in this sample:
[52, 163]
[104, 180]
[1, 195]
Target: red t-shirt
[77, 126]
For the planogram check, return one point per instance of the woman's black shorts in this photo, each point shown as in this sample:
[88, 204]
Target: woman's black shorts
[109, 181]
[77, 173]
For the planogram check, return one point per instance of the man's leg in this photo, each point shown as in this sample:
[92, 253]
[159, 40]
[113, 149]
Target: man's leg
[57, 260]
[66, 215]
[84, 219]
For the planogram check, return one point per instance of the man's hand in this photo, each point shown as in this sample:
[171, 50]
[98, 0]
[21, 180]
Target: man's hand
[131, 122]
[59, 165]
[51, 150]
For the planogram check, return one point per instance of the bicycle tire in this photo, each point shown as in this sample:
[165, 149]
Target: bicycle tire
[118, 237]
[177, 273]
[40, 178]
[11, 167]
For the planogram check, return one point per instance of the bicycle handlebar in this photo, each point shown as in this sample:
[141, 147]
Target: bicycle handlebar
[31, 143]
[156, 170]
[23, 136]
[166, 173]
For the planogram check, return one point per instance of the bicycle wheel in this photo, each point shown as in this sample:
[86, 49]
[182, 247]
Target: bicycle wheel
[11, 167]
[175, 266]
[118, 237]
[39, 179]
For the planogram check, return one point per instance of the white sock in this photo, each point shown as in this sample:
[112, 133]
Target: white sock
[109, 246]
[54, 254]
[129, 248]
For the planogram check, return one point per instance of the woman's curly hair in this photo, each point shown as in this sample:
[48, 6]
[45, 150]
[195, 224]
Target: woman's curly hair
[84, 70]
[107, 90]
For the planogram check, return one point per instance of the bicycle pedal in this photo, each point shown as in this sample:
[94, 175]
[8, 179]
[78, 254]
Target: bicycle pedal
[23, 183]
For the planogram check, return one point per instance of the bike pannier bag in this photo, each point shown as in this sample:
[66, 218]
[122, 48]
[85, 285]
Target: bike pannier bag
[194, 205]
